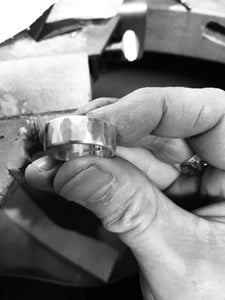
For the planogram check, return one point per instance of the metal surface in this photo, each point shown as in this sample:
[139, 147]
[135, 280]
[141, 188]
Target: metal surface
[71, 136]
[173, 29]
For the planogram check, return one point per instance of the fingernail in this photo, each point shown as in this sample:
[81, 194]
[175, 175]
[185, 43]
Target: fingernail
[88, 185]
[45, 163]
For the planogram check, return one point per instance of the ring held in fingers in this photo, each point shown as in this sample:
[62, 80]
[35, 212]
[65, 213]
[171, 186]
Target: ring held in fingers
[71, 136]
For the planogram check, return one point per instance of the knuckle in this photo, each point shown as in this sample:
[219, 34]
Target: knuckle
[134, 213]
[123, 217]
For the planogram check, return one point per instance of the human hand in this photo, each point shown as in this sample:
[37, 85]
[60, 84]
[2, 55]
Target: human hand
[181, 254]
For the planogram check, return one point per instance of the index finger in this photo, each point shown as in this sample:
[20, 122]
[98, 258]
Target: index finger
[195, 114]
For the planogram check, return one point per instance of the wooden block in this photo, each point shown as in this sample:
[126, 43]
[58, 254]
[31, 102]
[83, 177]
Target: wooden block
[44, 84]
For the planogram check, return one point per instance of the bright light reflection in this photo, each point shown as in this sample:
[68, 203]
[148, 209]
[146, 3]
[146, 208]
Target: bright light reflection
[130, 45]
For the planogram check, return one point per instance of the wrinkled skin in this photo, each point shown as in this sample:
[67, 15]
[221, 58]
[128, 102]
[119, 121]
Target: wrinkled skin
[181, 253]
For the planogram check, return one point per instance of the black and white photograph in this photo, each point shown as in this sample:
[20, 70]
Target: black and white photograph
[112, 149]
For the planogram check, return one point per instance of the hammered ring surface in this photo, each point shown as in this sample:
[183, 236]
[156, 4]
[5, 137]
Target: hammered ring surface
[71, 136]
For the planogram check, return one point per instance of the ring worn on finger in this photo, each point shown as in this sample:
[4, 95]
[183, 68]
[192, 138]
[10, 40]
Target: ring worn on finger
[71, 136]
[192, 166]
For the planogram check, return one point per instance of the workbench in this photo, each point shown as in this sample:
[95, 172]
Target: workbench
[54, 77]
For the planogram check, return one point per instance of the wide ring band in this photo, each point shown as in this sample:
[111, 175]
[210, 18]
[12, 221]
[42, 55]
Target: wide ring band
[71, 136]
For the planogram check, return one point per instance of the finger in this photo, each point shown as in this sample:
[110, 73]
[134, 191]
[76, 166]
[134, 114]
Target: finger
[41, 172]
[212, 212]
[115, 190]
[184, 185]
[97, 103]
[108, 187]
[171, 151]
[129, 204]
[213, 183]
[160, 173]
[213, 188]
[192, 192]
[196, 114]
[183, 190]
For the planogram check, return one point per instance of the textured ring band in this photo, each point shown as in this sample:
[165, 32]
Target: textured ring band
[71, 136]
[193, 166]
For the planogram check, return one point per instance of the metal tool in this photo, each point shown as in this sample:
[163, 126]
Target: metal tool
[129, 36]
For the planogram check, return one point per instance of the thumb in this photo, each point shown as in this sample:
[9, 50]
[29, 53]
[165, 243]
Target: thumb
[126, 201]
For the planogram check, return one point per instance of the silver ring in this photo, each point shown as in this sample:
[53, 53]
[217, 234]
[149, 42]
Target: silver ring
[71, 136]
[193, 166]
